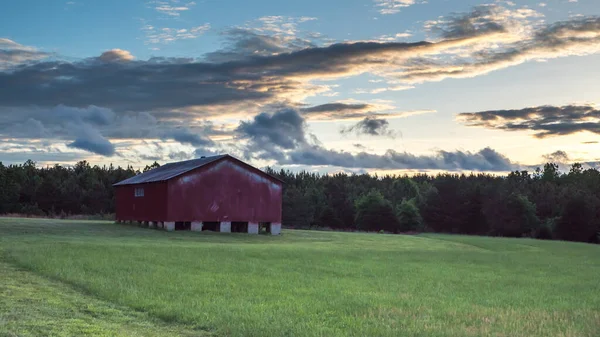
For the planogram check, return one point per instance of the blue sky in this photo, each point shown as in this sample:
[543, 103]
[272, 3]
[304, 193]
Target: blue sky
[360, 85]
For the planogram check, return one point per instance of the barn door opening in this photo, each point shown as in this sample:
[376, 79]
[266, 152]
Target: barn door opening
[183, 226]
[212, 226]
[264, 228]
[239, 227]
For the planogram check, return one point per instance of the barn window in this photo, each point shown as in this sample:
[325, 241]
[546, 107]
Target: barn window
[139, 192]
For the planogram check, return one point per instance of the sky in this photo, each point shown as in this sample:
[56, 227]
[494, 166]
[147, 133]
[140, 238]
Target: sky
[377, 86]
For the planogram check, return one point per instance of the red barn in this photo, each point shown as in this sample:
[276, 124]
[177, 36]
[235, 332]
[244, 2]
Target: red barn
[219, 193]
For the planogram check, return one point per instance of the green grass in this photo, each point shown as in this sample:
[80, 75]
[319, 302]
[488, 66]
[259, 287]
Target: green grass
[303, 283]
[31, 305]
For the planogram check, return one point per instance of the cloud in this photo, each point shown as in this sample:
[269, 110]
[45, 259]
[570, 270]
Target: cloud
[171, 7]
[89, 139]
[282, 137]
[380, 90]
[371, 126]
[116, 55]
[266, 36]
[484, 19]
[185, 136]
[486, 159]
[54, 117]
[283, 129]
[13, 54]
[165, 35]
[516, 41]
[338, 111]
[267, 63]
[557, 157]
[393, 6]
[337, 107]
[18, 153]
[544, 121]
[270, 76]
[355, 111]
[80, 126]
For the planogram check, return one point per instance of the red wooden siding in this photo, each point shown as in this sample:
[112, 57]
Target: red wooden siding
[224, 191]
[151, 207]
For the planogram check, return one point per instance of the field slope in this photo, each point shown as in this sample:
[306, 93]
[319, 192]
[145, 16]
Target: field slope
[108, 279]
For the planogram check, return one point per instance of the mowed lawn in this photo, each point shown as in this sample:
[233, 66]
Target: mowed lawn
[302, 283]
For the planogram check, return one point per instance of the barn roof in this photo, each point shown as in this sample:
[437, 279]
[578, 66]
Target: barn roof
[172, 170]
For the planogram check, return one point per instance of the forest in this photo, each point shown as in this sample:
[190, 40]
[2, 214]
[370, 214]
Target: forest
[545, 204]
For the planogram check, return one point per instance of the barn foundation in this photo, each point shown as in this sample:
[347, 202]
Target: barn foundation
[253, 228]
[225, 227]
[275, 228]
[196, 226]
[152, 224]
[170, 226]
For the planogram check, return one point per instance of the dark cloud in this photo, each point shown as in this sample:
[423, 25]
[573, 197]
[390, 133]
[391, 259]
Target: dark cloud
[282, 137]
[545, 121]
[264, 73]
[150, 157]
[483, 160]
[483, 18]
[339, 111]
[355, 111]
[336, 107]
[557, 157]
[179, 156]
[80, 126]
[284, 129]
[53, 119]
[90, 140]
[187, 137]
[371, 126]
[241, 43]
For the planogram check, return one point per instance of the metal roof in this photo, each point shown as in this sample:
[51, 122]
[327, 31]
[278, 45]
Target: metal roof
[169, 171]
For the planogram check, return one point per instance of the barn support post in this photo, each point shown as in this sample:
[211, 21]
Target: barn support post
[152, 224]
[252, 227]
[225, 227]
[161, 225]
[275, 228]
[170, 226]
[196, 226]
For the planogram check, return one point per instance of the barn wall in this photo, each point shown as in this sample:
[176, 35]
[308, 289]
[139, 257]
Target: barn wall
[151, 207]
[224, 191]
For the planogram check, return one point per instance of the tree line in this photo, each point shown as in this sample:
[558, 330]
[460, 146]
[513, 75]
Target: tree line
[60, 191]
[544, 204]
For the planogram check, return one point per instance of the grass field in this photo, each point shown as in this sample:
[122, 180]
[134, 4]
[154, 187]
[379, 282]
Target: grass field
[73, 278]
